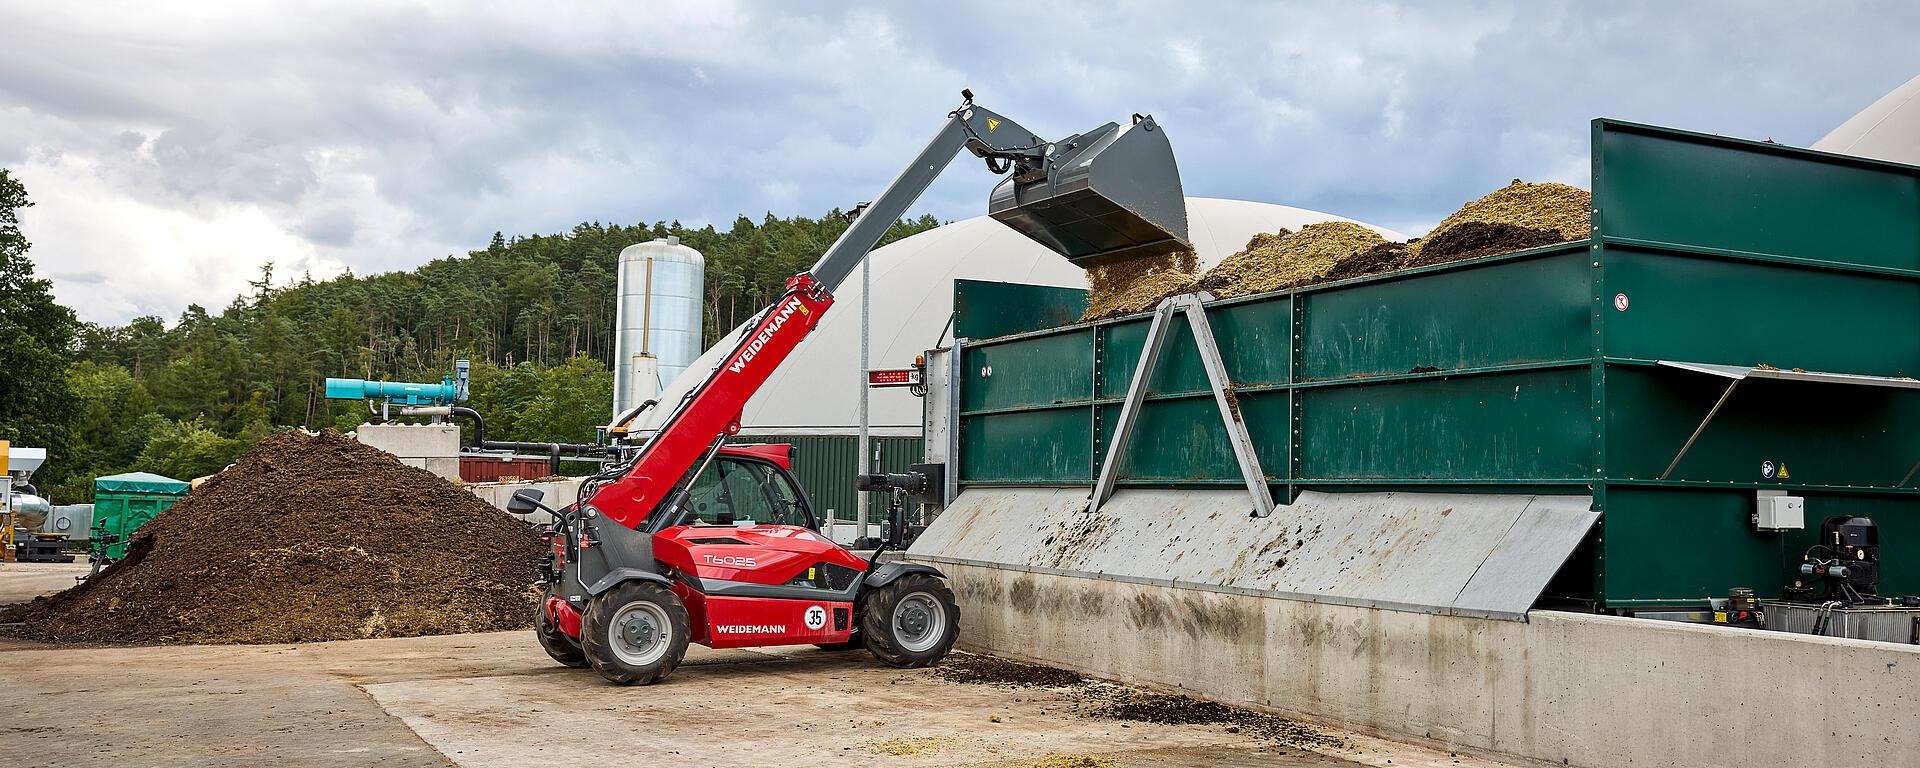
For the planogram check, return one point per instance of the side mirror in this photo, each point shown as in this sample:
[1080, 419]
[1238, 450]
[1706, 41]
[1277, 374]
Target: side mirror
[525, 501]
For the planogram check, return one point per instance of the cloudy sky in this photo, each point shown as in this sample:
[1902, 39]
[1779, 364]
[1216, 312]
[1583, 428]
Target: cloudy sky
[172, 153]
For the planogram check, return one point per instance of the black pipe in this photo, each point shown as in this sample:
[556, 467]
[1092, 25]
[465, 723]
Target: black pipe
[479, 424]
[570, 449]
[553, 450]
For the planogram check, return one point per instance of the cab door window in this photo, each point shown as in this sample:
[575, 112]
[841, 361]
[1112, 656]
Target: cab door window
[728, 492]
[789, 507]
[736, 490]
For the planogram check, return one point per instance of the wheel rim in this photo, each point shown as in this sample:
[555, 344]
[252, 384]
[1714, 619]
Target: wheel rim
[919, 623]
[639, 633]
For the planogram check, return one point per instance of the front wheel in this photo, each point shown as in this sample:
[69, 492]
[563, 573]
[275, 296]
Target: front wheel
[563, 649]
[911, 622]
[635, 633]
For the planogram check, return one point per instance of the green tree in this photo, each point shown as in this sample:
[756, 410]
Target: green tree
[36, 345]
[574, 398]
[535, 314]
[193, 448]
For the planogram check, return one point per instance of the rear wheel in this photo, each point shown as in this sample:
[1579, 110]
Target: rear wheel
[635, 633]
[563, 649]
[911, 622]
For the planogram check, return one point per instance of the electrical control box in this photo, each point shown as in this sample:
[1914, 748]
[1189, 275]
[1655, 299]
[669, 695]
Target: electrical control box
[1777, 511]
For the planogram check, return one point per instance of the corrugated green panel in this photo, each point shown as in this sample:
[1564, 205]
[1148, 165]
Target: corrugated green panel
[984, 309]
[1517, 311]
[1824, 434]
[1179, 365]
[824, 465]
[1042, 447]
[1675, 187]
[1175, 440]
[1528, 425]
[1250, 334]
[1184, 440]
[1039, 370]
[1747, 313]
[1683, 545]
[1247, 333]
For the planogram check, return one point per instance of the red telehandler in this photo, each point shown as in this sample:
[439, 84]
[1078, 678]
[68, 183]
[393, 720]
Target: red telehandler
[685, 539]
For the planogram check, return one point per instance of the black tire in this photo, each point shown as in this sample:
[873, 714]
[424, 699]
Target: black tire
[896, 642]
[563, 649]
[626, 660]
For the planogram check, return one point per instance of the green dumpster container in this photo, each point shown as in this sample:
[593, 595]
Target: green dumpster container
[124, 502]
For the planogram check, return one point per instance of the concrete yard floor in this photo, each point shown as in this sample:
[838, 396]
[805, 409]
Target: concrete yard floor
[20, 582]
[496, 700]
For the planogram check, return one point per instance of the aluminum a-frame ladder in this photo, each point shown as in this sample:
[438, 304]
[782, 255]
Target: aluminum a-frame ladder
[1192, 304]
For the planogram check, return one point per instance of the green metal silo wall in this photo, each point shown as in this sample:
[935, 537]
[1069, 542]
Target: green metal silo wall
[1744, 253]
[1519, 373]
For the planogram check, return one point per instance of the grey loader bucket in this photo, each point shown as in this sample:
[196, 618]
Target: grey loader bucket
[1107, 195]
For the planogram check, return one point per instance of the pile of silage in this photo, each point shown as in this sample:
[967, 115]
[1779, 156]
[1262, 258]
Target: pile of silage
[1518, 216]
[1515, 217]
[1285, 260]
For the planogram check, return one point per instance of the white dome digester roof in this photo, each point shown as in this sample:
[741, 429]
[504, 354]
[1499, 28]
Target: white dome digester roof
[817, 390]
[1888, 129]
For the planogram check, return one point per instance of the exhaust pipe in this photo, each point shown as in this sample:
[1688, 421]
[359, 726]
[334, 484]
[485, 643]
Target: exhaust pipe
[1108, 195]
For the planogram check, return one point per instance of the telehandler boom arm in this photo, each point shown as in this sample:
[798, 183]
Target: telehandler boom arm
[1055, 194]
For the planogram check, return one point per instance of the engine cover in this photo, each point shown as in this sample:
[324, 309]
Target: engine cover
[756, 554]
[761, 584]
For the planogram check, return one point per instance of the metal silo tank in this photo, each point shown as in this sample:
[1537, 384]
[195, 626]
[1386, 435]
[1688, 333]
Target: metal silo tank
[660, 286]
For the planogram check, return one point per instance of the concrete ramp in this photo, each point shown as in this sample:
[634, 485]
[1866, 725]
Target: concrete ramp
[1481, 555]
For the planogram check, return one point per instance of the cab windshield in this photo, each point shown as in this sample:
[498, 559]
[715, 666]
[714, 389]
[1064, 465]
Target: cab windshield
[736, 490]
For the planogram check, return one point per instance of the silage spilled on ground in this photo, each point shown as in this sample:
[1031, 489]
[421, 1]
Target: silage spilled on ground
[1114, 701]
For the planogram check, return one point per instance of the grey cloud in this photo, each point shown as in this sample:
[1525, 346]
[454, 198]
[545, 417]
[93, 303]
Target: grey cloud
[229, 165]
[333, 226]
[87, 277]
[381, 137]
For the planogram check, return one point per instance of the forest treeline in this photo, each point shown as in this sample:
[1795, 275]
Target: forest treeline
[534, 313]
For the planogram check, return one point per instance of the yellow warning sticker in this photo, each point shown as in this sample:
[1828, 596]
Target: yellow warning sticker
[992, 125]
[1783, 471]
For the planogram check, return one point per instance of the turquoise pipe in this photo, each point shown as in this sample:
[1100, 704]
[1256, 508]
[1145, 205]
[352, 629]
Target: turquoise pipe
[397, 392]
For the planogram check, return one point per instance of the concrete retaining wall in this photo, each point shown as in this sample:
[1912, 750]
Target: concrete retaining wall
[1560, 688]
[559, 493]
[433, 447]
